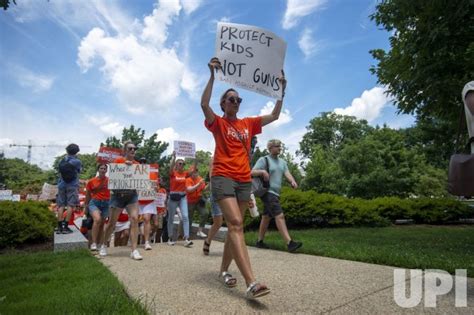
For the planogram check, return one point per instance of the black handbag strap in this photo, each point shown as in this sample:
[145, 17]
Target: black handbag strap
[267, 168]
[241, 140]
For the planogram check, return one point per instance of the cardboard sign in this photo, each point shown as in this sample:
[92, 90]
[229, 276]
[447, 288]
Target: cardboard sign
[185, 149]
[134, 176]
[48, 192]
[251, 57]
[5, 195]
[108, 155]
[151, 193]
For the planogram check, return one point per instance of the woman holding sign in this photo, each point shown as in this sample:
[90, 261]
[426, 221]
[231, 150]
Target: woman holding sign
[231, 180]
[125, 199]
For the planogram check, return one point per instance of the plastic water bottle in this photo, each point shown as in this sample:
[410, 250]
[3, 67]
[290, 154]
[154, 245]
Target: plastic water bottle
[254, 210]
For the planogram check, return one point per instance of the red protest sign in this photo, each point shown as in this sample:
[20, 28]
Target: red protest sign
[108, 155]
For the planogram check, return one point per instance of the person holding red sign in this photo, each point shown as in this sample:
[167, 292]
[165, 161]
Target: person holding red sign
[97, 204]
[125, 199]
[231, 180]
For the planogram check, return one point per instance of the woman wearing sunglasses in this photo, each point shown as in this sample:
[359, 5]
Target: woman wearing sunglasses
[231, 180]
[125, 199]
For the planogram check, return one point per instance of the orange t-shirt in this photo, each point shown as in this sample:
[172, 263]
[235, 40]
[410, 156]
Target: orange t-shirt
[178, 181]
[122, 160]
[98, 188]
[194, 196]
[230, 157]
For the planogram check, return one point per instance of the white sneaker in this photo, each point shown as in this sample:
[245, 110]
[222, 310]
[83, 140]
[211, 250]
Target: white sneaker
[201, 234]
[188, 243]
[147, 246]
[136, 255]
[103, 251]
[171, 243]
[93, 246]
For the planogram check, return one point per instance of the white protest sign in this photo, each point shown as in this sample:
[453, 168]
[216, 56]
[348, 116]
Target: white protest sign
[16, 198]
[48, 192]
[130, 177]
[5, 195]
[160, 200]
[251, 57]
[185, 149]
[31, 197]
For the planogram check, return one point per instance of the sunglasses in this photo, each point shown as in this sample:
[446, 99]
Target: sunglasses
[180, 163]
[131, 148]
[235, 100]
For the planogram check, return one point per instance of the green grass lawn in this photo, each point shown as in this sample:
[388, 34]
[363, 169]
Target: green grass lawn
[62, 283]
[423, 247]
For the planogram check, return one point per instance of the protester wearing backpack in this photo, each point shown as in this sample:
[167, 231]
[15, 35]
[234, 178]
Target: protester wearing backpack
[68, 187]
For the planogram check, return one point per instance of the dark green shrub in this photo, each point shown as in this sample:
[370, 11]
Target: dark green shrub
[308, 209]
[25, 222]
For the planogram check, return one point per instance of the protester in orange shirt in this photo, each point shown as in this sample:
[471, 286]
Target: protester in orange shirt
[125, 199]
[194, 187]
[97, 204]
[231, 180]
[178, 199]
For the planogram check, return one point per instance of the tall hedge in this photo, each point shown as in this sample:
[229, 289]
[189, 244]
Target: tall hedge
[308, 209]
[25, 222]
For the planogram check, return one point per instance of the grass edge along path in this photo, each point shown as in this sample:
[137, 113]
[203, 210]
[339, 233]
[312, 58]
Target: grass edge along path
[414, 247]
[72, 282]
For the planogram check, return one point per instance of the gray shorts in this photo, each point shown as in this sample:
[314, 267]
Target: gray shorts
[223, 187]
[122, 200]
[68, 196]
[271, 205]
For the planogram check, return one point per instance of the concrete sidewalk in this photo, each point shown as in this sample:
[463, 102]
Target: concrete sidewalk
[175, 279]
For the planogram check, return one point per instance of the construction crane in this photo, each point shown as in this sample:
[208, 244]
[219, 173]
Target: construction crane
[30, 145]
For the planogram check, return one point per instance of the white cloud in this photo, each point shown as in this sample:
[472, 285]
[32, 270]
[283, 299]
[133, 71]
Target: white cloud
[167, 135]
[28, 79]
[296, 9]
[190, 6]
[368, 106]
[285, 116]
[145, 74]
[307, 44]
[106, 125]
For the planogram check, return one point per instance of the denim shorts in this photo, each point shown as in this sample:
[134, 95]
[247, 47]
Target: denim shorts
[271, 205]
[122, 200]
[215, 209]
[223, 187]
[99, 205]
[68, 196]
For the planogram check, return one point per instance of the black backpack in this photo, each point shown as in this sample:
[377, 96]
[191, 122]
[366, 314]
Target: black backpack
[67, 170]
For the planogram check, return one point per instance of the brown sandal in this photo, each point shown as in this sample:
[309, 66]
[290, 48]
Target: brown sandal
[205, 248]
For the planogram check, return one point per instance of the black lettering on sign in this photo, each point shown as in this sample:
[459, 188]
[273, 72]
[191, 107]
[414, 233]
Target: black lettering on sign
[231, 68]
[267, 79]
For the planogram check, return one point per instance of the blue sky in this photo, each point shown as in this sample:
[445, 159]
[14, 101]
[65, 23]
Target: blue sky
[79, 71]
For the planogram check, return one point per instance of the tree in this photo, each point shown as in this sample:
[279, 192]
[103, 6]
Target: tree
[430, 58]
[332, 132]
[22, 177]
[148, 148]
[6, 3]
